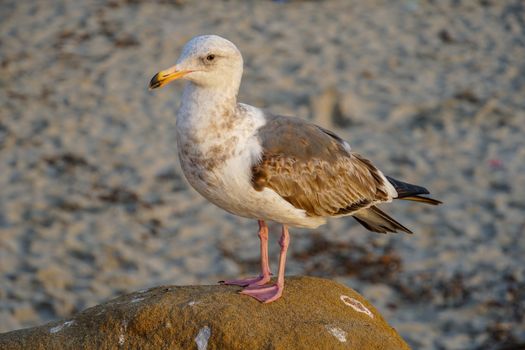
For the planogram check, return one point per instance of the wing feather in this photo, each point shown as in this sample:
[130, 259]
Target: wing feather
[313, 169]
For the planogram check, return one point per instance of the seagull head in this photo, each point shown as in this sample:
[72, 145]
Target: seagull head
[208, 61]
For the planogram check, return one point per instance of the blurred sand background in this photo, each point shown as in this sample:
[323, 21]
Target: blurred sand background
[93, 202]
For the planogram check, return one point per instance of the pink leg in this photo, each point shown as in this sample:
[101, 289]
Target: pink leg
[270, 293]
[264, 277]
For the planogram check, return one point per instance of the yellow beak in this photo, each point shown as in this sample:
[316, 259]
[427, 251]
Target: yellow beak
[165, 76]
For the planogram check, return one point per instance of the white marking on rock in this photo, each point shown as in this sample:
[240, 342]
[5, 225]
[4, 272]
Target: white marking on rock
[60, 327]
[136, 300]
[337, 332]
[122, 330]
[356, 305]
[193, 302]
[202, 338]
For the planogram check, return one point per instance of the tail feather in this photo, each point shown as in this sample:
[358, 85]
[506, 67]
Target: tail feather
[411, 192]
[377, 220]
[421, 199]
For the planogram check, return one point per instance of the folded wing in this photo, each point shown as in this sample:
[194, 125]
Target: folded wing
[314, 170]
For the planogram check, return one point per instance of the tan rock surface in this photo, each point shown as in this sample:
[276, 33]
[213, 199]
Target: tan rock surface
[313, 314]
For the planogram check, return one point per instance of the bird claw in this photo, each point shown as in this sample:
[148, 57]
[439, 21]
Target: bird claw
[248, 282]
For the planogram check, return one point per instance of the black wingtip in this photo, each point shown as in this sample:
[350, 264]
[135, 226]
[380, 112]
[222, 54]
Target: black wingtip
[405, 189]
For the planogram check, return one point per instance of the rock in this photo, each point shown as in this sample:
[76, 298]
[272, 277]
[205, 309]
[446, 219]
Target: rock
[312, 314]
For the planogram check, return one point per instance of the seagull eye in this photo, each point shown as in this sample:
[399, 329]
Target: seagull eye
[210, 58]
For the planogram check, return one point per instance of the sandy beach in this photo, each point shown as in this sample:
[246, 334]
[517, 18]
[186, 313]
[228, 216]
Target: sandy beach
[93, 202]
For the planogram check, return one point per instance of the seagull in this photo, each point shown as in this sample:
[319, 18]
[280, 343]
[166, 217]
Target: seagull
[268, 167]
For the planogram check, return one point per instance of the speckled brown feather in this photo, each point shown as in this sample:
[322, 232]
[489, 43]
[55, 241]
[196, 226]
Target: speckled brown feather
[310, 168]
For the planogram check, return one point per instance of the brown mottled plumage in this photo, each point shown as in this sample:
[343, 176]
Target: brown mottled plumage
[313, 169]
